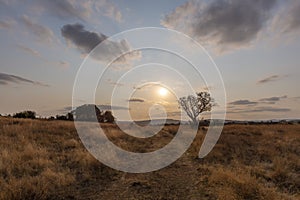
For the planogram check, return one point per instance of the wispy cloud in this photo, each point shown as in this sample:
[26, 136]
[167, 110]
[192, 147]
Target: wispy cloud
[259, 110]
[79, 10]
[111, 82]
[109, 107]
[5, 79]
[287, 18]
[6, 23]
[28, 50]
[42, 33]
[109, 9]
[271, 78]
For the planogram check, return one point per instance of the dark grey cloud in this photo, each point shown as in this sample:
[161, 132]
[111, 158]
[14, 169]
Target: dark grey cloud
[5, 79]
[83, 39]
[222, 23]
[243, 102]
[42, 33]
[271, 78]
[137, 100]
[86, 41]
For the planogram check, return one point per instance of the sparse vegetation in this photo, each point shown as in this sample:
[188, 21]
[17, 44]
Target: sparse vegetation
[42, 159]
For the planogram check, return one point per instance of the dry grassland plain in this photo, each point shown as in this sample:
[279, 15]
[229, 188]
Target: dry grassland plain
[46, 160]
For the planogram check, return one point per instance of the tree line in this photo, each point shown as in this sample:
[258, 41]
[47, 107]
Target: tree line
[87, 112]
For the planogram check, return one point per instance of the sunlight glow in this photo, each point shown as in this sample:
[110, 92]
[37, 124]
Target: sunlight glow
[163, 91]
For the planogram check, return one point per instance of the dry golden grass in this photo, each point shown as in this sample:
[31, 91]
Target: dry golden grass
[46, 160]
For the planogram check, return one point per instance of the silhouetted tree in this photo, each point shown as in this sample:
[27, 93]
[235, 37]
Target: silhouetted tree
[193, 105]
[25, 114]
[88, 112]
[108, 117]
[70, 117]
[51, 118]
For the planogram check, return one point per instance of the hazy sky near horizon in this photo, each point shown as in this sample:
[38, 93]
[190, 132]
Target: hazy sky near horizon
[255, 44]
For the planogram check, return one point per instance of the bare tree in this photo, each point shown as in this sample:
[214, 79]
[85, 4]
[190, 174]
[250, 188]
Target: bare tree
[194, 105]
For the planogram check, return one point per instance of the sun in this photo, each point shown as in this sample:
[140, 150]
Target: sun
[162, 91]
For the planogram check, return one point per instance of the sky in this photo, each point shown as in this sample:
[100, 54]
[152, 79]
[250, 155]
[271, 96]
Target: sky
[254, 44]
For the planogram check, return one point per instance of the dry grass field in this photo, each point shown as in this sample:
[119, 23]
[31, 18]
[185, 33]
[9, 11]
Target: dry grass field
[46, 160]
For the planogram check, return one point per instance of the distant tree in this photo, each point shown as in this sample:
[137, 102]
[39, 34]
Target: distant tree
[108, 117]
[25, 114]
[70, 117]
[194, 105]
[88, 112]
[51, 118]
[61, 117]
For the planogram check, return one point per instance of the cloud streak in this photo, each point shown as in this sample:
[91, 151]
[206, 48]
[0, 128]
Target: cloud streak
[260, 110]
[271, 78]
[136, 100]
[28, 50]
[272, 100]
[5, 79]
[243, 102]
[42, 33]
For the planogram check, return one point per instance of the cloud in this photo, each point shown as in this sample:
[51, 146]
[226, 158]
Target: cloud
[42, 33]
[136, 100]
[222, 24]
[8, 78]
[271, 78]
[64, 64]
[243, 102]
[111, 82]
[272, 100]
[28, 50]
[66, 9]
[109, 9]
[287, 19]
[86, 41]
[102, 107]
[109, 107]
[260, 109]
[145, 85]
[79, 10]
[6, 24]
